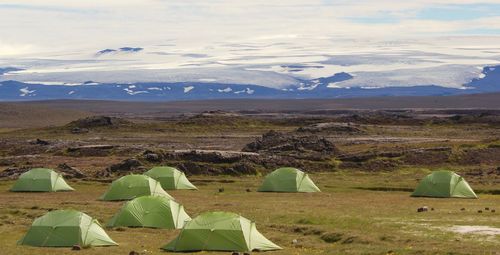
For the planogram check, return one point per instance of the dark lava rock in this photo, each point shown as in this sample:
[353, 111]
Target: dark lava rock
[273, 141]
[70, 172]
[193, 168]
[210, 156]
[241, 169]
[13, 173]
[151, 156]
[96, 150]
[423, 209]
[124, 167]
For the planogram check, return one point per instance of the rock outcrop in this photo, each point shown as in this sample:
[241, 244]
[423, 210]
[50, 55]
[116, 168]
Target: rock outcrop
[69, 172]
[277, 142]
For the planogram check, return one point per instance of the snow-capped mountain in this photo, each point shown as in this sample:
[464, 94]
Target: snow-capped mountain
[323, 87]
[329, 68]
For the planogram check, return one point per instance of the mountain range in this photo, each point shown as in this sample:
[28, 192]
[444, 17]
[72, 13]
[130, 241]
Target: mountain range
[324, 87]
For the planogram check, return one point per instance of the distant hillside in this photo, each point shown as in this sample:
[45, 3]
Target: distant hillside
[28, 116]
[159, 109]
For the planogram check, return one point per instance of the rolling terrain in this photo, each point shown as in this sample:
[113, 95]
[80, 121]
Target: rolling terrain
[57, 112]
[27, 116]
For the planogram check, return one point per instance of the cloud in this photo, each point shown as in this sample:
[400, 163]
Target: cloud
[57, 25]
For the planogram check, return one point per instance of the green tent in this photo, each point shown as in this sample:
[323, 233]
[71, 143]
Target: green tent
[288, 179]
[66, 228]
[220, 231]
[135, 185]
[444, 184]
[170, 178]
[151, 212]
[41, 180]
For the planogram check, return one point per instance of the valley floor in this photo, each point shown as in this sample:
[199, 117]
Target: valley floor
[366, 165]
[348, 217]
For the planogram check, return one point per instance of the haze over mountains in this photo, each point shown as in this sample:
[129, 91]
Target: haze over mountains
[279, 70]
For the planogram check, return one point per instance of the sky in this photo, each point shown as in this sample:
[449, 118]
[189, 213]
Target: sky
[261, 35]
[34, 26]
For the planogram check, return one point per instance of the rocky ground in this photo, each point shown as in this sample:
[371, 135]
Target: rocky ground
[230, 143]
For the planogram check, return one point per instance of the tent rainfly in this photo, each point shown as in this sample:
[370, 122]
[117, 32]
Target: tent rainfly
[150, 212]
[288, 179]
[135, 185]
[220, 231]
[444, 184]
[66, 228]
[40, 180]
[170, 178]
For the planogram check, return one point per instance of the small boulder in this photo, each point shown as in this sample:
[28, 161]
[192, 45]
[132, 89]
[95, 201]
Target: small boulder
[423, 209]
[152, 157]
[76, 247]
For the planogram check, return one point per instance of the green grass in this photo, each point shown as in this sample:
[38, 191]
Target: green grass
[346, 218]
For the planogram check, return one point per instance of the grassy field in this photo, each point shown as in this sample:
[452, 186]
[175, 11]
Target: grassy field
[348, 217]
[365, 206]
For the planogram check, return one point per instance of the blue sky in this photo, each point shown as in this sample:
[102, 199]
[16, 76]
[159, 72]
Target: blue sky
[444, 12]
[459, 12]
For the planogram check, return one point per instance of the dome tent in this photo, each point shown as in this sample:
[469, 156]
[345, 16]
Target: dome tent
[170, 178]
[152, 212]
[66, 228]
[288, 179]
[444, 184]
[40, 180]
[131, 186]
[220, 231]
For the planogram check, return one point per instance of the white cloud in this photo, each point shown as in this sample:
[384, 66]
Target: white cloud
[102, 24]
